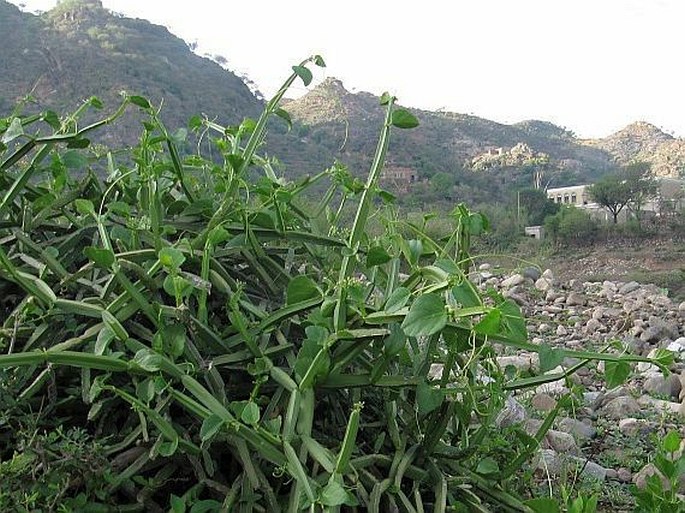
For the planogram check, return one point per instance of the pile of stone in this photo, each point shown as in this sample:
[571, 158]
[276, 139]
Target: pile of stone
[589, 316]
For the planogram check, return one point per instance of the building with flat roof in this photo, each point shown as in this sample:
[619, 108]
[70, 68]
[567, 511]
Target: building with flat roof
[576, 195]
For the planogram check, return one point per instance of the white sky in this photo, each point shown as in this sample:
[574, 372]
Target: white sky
[592, 66]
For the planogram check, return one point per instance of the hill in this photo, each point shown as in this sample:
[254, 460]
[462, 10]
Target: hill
[644, 141]
[79, 49]
[523, 154]
[448, 143]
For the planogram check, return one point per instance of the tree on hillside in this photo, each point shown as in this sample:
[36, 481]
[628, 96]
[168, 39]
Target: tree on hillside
[612, 193]
[630, 187]
[537, 205]
[642, 185]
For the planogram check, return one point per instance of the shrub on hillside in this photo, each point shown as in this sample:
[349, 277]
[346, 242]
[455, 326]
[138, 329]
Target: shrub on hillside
[571, 226]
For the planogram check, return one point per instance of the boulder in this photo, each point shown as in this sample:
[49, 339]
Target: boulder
[576, 299]
[513, 281]
[532, 273]
[621, 407]
[632, 427]
[561, 442]
[512, 413]
[543, 402]
[580, 430]
[629, 287]
[657, 384]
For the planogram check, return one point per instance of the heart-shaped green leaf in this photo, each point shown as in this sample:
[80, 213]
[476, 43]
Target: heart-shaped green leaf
[402, 118]
[426, 316]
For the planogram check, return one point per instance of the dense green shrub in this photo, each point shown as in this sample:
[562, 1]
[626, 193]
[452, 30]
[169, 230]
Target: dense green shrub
[231, 349]
[571, 226]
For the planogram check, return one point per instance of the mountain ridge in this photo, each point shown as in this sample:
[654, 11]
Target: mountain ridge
[473, 136]
[79, 49]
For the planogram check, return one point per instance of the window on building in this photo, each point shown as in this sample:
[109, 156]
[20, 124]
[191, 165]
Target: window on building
[573, 198]
[565, 198]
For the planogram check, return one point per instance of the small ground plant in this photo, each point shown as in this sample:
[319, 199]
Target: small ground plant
[230, 349]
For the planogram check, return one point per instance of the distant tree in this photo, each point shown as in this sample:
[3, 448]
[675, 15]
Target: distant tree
[442, 184]
[537, 205]
[642, 185]
[632, 186]
[612, 193]
[571, 225]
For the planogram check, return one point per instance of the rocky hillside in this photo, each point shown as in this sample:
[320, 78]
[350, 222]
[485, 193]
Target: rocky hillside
[444, 142]
[644, 141]
[610, 435]
[79, 49]
[451, 142]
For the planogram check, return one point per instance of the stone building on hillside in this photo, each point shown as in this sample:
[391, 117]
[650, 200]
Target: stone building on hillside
[399, 179]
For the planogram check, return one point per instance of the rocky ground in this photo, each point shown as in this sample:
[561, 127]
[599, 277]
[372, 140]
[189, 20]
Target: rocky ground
[612, 435]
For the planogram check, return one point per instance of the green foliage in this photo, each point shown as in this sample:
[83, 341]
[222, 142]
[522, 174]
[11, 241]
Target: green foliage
[231, 349]
[536, 205]
[47, 470]
[631, 187]
[660, 493]
[571, 226]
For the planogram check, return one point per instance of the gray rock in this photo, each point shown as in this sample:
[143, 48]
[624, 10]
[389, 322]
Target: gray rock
[531, 426]
[484, 267]
[640, 479]
[657, 384]
[604, 398]
[609, 285]
[513, 280]
[589, 398]
[561, 442]
[658, 330]
[576, 285]
[544, 328]
[555, 388]
[532, 273]
[512, 413]
[677, 346]
[630, 306]
[598, 313]
[624, 475]
[562, 331]
[658, 404]
[576, 299]
[659, 300]
[552, 295]
[646, 367]
[613, 313]
[548, 275]
[629, 287]
[543, 402]
[517, 298]
[651, 334]
[592, 470]
[579, 429]
[621, 407]
[632, 427]
[522, 363]
[543, 285]
[549, 462]
[593, 326]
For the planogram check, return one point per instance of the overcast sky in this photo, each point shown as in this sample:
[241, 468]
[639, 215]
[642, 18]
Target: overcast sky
[592, 66]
